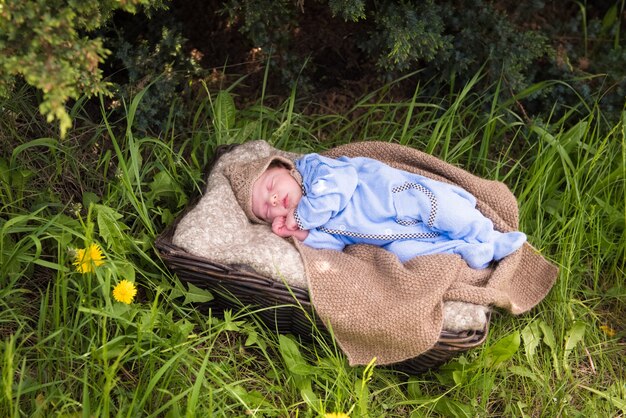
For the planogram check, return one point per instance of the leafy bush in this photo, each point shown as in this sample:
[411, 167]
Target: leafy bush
[520, 43]
[592, 59]
[48, 44]
[445, 37]
[63, 47]
[407, 34]
[150, 51]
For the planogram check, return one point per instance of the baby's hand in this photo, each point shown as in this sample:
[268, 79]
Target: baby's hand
[279, 227]
[285, 227]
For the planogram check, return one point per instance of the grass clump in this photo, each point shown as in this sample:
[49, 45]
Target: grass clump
[69, 347]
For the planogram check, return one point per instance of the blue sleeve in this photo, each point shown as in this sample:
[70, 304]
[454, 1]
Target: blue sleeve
[329, 185]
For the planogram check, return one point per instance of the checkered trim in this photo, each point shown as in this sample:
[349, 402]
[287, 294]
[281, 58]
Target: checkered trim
[381, 237]
[298, 220]
[428, 193]
[408, 222]
[295, 212]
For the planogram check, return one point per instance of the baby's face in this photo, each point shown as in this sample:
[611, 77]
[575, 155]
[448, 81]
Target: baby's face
[274, 194]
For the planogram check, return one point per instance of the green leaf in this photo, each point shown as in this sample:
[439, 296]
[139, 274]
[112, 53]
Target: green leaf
[9, 264]
[228, 324]
[451, 408]
[362, 393]
[89, 198]
[20, 178]
[574, 336]
[166, 216]
[618, 402]
[293, 358]
[195, 294]
[459, 377]
[225, 111]
[183, 329]
[253, 339]
[119, 310]
[503, 350]
[523, 371]
[548, 336]
[550, 341]
[456, 369]
[532, 337]
[163, 186]
[248, 131]
[253, 399]
[413, 388]
[609, 19]
[111, 228]
[112, 348]
[309, 396]
[299, 370]
[125, 270]
[521, 406]
[5, 172]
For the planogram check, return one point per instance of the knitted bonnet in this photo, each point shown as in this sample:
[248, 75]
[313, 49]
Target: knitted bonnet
[243, 176]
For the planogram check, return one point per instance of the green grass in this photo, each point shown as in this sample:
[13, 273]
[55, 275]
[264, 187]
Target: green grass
[67, 348]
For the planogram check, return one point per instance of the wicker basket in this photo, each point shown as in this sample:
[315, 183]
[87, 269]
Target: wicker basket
[290, 310]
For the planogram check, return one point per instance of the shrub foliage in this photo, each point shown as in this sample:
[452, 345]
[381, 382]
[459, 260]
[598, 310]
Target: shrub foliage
[445, 37]
[47, 43]
[59, 46]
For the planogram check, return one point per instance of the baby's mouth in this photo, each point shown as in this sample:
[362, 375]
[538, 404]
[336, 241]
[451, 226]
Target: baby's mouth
[286, 202]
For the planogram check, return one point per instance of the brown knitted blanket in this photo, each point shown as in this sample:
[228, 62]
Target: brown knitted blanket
[378, 307]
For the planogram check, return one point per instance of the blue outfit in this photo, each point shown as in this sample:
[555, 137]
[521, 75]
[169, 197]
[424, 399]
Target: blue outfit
[364, 201]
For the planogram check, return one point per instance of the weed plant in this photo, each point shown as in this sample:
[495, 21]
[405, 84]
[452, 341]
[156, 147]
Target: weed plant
[69, 348]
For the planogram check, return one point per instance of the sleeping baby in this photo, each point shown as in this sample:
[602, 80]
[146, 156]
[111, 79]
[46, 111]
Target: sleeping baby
[330, 203]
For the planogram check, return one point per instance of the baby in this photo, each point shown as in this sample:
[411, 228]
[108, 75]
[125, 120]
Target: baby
[330, 203]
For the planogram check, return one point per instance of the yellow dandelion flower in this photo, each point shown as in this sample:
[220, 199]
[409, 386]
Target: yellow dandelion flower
[124, 292]
[336, 415]
[86, 259]
[608, 330]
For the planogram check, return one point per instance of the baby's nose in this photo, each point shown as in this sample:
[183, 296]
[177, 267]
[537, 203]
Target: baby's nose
[274, 199]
